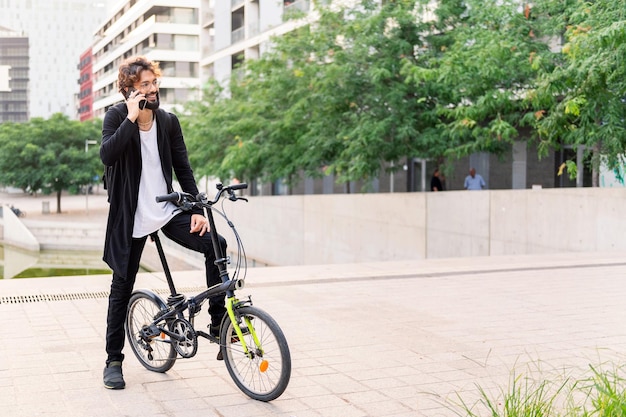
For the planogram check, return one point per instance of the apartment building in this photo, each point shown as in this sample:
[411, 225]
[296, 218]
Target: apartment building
[14, 76]
[163, 31]
[236, 30]
[85, 95]
[58, 32]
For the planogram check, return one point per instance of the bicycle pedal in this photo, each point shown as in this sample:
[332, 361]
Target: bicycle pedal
[151, 331]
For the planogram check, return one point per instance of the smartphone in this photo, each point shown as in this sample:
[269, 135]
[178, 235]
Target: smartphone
[142, 103]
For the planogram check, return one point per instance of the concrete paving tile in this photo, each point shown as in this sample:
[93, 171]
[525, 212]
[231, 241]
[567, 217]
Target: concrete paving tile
[314, 371]
[338, 383]
[407, 414]
[141, 408]
[193, 373]
[235, 398]
[364, 398]
[303, 413]
[363, 373]
[188, 404]
[395, 393]
[300, 380]
[213, 386]
[304, 361]
[251, 408]
[347, 410]
[386, 408]
[287, 405]
[378, 383]
[324, 401]
[301, 392]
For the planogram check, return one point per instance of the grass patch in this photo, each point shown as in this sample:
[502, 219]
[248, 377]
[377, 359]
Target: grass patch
[601, 393]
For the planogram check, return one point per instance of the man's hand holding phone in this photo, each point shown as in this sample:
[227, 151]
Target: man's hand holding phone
[135, 101]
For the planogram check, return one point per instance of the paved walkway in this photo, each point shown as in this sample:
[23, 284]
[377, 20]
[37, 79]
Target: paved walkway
[383, 339]
[79, 208]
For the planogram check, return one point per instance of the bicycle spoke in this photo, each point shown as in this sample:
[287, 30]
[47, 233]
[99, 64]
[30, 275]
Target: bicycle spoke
[263, 373]
[155, 353]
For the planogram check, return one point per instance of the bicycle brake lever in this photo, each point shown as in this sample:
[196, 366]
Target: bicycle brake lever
[202, 198]
[186, 206]
[242, 198]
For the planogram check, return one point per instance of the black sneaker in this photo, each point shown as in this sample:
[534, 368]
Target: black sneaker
[113, 377]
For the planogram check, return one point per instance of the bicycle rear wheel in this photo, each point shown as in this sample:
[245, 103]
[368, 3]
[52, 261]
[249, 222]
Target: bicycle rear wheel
[156, 353]
[262, 374]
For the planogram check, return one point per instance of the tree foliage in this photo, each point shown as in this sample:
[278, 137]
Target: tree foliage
[49, 155]
[363, 87]
[584, 97]
[328, 98]
[483, 73]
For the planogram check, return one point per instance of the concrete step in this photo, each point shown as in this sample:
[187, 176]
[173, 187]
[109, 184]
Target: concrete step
[66, 235]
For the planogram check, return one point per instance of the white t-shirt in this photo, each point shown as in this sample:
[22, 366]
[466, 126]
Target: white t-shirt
[150, 215]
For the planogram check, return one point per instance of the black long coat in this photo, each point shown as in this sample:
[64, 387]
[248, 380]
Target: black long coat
[120, 152]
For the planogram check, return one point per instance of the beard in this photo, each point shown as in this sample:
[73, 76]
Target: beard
[153, 105]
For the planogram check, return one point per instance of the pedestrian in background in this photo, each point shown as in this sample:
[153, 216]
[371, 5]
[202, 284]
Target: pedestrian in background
[474, 181]
[435, 182]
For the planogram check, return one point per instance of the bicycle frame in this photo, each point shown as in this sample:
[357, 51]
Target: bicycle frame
[179, 303]
[256, 356]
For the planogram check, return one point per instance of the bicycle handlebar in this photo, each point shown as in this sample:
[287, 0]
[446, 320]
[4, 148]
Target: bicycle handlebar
[181, 197]
[174, 197]
[241, 186]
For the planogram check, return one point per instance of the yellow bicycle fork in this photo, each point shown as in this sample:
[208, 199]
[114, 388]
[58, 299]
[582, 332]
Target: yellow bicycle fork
[230, 303]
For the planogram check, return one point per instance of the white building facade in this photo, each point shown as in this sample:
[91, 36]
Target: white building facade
[162, 30]
[236, 30]
[58, 32]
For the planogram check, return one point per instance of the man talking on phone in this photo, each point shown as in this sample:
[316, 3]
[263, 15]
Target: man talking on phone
[142, 147]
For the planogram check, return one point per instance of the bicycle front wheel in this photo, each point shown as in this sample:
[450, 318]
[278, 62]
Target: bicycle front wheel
[153, 348]
[263, 373]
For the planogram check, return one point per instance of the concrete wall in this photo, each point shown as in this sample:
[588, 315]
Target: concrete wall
[327, 229]
[346, 228]
[14, 232]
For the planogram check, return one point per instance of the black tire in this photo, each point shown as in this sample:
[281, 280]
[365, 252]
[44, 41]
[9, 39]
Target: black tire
[265, 375]
[156, 354]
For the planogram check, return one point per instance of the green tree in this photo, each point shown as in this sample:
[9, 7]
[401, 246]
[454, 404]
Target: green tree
[584, 97]
[48, 155]
[328, 98]
[490, 61]
[362, 88]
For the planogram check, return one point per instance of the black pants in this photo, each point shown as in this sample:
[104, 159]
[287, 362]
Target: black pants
[122, 287]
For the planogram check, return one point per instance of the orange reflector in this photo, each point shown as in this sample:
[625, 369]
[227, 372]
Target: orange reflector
[264, 365]
[162, 335]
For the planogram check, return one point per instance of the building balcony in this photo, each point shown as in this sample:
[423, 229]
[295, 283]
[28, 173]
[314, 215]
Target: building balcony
[253, 30]
[208, 48]
[208, 18]
[238, 35]
[297, 5]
